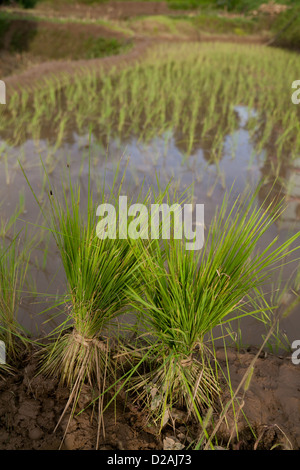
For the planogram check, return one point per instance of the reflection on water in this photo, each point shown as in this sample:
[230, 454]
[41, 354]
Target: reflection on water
[239, 165]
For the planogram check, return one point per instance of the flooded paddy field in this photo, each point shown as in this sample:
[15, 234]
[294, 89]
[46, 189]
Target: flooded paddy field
[145, 118]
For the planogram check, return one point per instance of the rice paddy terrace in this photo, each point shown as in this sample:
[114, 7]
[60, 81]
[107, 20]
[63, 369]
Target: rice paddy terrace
[206, 121]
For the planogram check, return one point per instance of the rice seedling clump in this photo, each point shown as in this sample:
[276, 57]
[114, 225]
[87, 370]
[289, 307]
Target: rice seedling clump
[187, 294]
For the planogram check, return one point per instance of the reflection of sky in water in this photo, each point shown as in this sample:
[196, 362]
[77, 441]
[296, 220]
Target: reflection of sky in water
[239, 166]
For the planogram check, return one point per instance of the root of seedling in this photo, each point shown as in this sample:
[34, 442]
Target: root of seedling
[93, 368]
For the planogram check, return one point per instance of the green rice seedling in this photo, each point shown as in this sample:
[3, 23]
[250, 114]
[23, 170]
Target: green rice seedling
[189, 293]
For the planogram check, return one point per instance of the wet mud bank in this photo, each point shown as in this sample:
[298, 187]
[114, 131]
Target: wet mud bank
[267, 413]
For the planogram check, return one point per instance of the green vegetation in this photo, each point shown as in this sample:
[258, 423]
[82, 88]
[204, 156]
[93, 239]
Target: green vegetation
[187, 294]
[240, 6]
[286, 28]
[212, 22]
[101, 47]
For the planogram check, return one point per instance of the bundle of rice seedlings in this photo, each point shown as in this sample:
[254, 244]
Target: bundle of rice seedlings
[98, 275]
[189, 293]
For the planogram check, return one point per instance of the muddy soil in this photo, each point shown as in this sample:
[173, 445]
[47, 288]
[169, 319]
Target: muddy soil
[31, 405]
[30, 408]
[272, 402]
